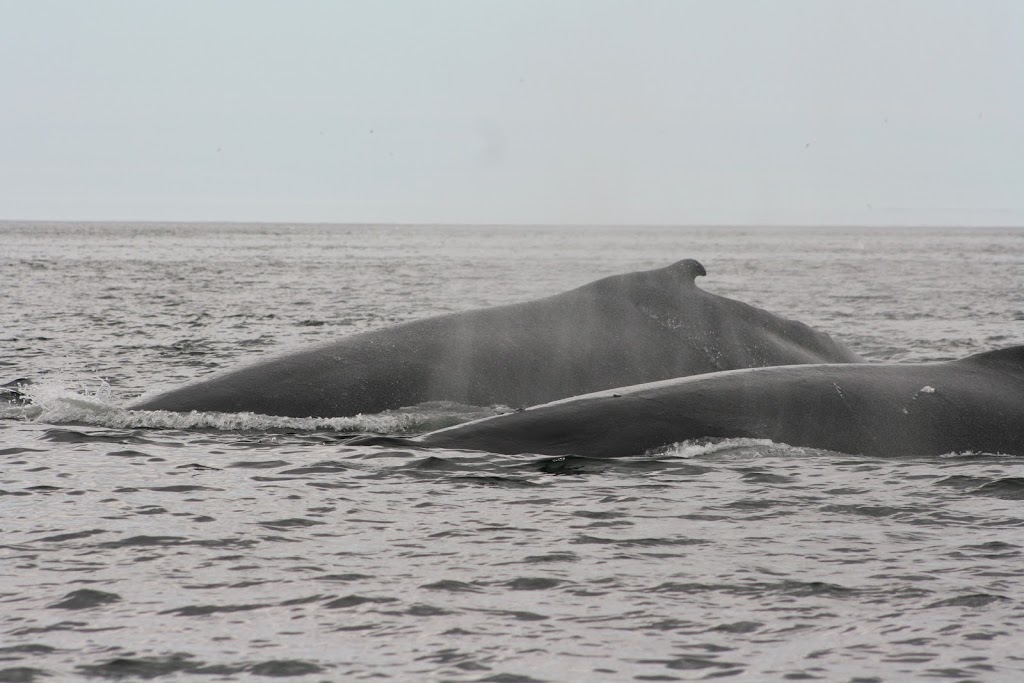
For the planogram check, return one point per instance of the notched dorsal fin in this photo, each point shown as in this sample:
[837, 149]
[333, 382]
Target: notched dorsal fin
[1013, 355]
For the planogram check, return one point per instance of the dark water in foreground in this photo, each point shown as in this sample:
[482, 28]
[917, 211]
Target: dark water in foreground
[140, 546]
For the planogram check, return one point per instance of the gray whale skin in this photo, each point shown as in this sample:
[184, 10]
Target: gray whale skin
[975, 404]
[620, 330]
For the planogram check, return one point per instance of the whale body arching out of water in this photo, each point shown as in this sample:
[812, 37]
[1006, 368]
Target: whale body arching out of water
[975, 405]
[620, 330]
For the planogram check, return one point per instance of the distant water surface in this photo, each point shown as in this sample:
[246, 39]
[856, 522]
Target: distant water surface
[146, 546]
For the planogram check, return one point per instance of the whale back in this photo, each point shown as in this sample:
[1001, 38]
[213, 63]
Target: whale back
[617, 331]
[971, 405]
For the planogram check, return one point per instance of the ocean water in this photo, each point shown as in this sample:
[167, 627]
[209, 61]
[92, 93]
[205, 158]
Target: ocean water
[153, 546]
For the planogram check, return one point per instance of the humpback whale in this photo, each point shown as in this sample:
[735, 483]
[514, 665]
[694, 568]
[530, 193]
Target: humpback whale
[975, 404]
[620, 330]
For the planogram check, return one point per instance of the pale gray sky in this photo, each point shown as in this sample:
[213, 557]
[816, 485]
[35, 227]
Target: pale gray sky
[522, 111]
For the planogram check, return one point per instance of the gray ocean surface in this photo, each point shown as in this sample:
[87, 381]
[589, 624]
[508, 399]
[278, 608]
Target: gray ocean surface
[208, 547]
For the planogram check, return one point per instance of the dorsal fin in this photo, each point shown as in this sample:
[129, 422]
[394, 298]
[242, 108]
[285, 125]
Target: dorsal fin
[688, 267]
[1013, 355]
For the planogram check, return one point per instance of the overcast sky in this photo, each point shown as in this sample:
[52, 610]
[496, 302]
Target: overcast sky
[477, 111]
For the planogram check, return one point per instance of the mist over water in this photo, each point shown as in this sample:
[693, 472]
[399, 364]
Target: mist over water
[222, 547]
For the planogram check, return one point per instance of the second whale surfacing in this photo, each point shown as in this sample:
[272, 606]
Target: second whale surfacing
[972, 405]
[620, 330]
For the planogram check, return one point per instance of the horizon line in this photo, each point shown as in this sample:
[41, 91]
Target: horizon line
[460, 224]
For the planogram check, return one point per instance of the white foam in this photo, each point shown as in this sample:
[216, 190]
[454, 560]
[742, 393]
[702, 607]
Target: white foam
[55, 402]
[697, 448]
